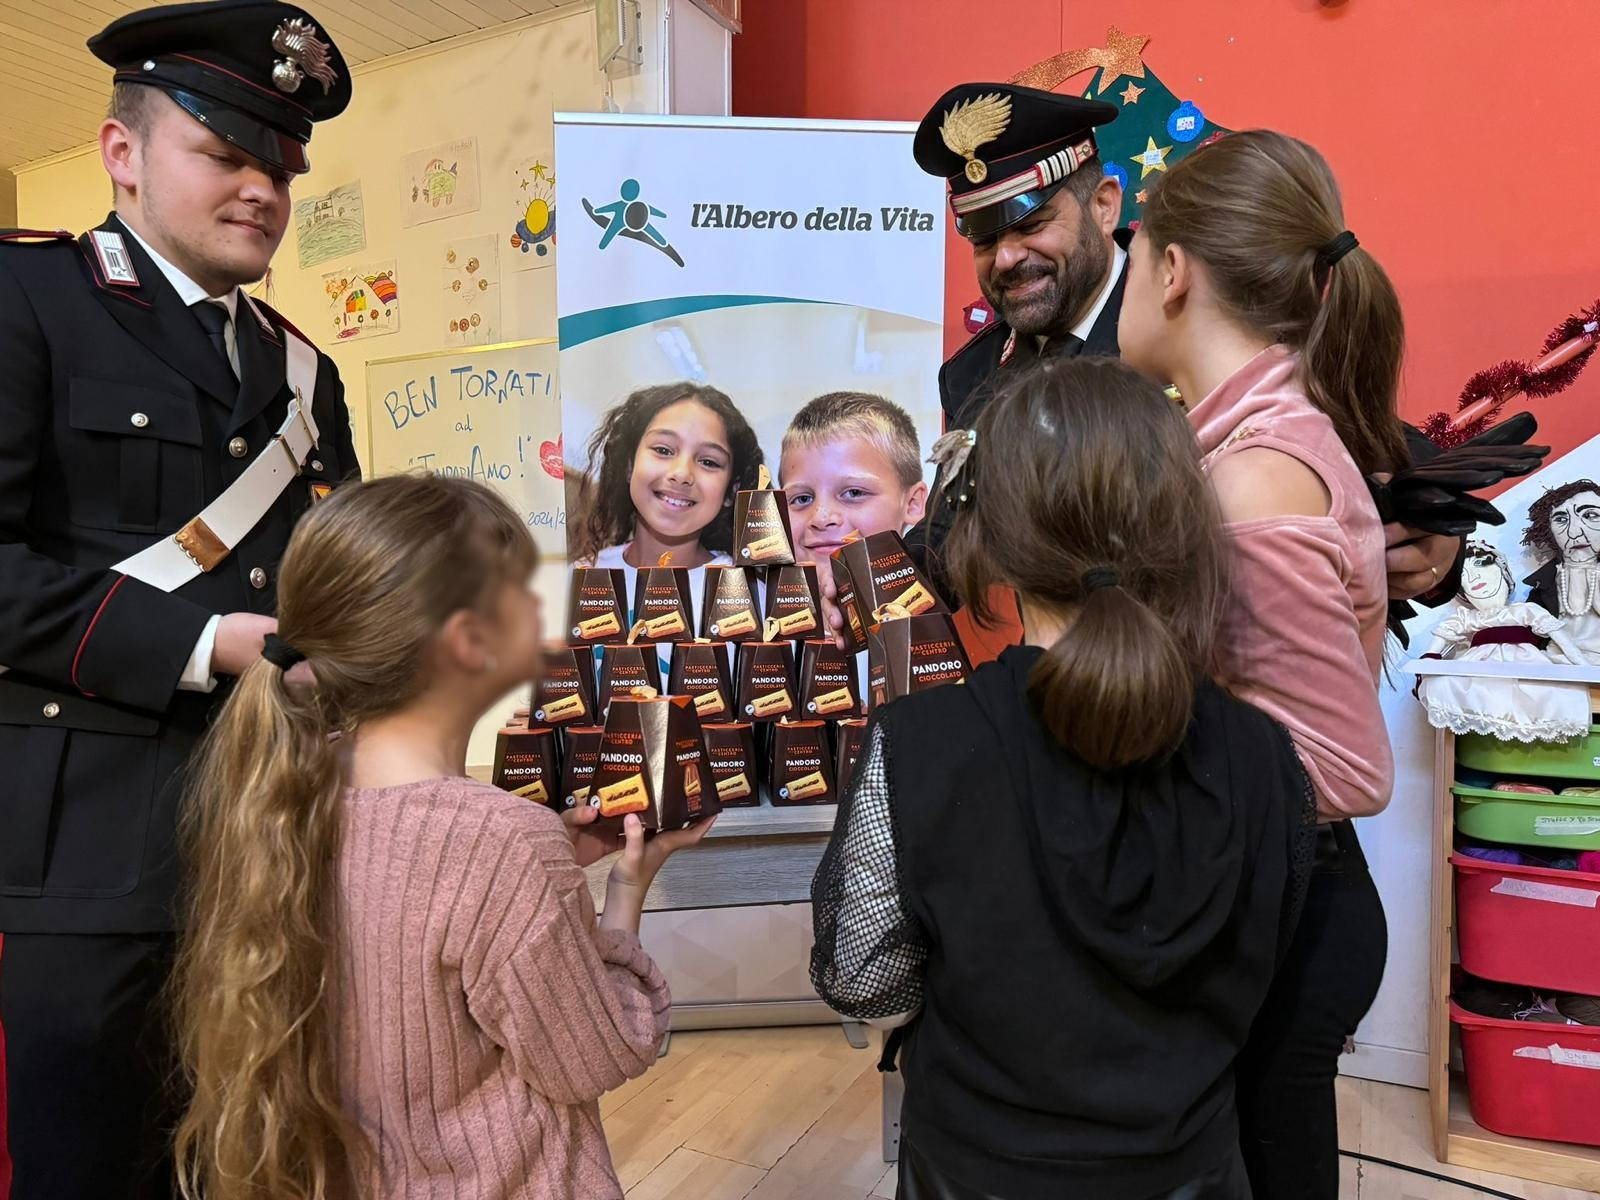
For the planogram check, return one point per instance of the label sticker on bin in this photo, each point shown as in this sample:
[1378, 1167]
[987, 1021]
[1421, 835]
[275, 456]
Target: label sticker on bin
[1565, 826]
[1589, 1060]
[1553, 893]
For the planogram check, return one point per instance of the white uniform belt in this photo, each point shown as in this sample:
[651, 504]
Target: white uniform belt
[211, 536]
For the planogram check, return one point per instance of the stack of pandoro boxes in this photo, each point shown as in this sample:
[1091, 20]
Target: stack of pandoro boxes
[758, 701]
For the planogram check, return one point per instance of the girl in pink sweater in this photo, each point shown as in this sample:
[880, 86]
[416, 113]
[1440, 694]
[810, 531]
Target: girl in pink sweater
[392, 981]
[1284, 337]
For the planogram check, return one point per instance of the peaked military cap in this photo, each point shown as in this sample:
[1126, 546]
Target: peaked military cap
[257, 73]
[1005, 150]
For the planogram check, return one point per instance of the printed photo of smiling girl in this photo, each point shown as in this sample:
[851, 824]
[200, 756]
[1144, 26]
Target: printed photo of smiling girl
[664, 467]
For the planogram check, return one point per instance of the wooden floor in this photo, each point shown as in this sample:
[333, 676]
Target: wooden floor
[793, 1114]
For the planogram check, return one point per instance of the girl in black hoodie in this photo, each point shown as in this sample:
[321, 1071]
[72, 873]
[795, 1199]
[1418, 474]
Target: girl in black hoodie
[1069, 881]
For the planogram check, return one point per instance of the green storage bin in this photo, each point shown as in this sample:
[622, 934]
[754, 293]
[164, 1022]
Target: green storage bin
[1577, 759]
[1525, 819]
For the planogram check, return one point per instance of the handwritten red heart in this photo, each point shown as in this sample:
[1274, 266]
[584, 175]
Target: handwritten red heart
[550, 459]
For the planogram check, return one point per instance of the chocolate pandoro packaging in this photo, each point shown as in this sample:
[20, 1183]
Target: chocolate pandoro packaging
[580, 759]
[731, 749]
[873, 573]
[912, 654]
[700, 670]
[663, 610]
[653, 762]
[565, 693]
[794, 602]
[624, 668]
[828, 686]
[729, 611]
[761, 536]
[766, 690]
[597, 607]
[851, 736]
[525, 764]
[802, 767]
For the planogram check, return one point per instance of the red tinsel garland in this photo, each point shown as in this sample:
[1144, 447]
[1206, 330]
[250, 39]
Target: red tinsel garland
[1566, 351]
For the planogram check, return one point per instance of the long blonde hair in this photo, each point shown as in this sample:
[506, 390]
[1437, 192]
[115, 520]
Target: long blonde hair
[369, 577]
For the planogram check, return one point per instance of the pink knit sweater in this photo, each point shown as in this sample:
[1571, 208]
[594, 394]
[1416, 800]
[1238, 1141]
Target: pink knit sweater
[484, 1012]
[1304, 636]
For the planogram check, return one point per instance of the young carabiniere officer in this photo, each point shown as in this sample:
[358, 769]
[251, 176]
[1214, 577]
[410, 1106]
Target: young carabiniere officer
[163, 434]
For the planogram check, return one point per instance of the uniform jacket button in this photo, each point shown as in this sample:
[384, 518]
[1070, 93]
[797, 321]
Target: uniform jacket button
[238, 447]
[316, 464]
[52, 710]
[139, 420]
[258, 578]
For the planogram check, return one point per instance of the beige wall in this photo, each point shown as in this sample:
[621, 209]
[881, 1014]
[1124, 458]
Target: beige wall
[502, 88]
[8, 199]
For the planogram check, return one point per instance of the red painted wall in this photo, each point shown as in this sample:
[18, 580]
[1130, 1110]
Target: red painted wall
[1463, 133]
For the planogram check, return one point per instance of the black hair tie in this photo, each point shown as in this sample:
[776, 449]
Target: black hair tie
[1099, 577]
[1333, 251]
[280, 654]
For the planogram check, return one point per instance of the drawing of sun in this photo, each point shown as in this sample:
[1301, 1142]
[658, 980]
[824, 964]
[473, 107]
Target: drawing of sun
[535, 210]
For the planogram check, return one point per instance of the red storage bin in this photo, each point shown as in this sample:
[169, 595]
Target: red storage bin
[1531, 1080]
[1528, 925]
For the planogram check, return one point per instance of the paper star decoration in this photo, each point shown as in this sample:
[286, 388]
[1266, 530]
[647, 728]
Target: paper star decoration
[1123, 56]
[1154, 157]
[1141, 196]
[1131, 93]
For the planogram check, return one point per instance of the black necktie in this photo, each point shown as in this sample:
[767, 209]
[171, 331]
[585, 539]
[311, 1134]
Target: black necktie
[213, 319]
[1067, 347]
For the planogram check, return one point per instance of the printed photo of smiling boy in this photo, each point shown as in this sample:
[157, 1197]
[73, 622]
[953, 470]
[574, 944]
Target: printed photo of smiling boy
[850, 463]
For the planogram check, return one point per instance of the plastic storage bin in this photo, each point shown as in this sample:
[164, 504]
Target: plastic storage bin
[1530, 1080]
[1577, 759]
[1529, 925]
[1549, 822]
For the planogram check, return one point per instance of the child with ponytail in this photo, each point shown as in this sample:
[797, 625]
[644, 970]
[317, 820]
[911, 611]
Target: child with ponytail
[392, 981]
[1284, 336]
[1073, 876]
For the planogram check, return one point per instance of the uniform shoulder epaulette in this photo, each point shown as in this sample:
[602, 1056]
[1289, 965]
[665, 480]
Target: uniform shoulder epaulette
[35, 237]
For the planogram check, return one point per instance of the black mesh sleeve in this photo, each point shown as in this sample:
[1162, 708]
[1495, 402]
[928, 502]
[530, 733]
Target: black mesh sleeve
[870, 950]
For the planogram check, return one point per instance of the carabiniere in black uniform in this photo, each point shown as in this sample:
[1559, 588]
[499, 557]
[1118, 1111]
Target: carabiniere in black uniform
[122, 421]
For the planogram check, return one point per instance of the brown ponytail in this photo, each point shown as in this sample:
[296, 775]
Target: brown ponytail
[1089, 501]
[369, 576]
[1259, 210]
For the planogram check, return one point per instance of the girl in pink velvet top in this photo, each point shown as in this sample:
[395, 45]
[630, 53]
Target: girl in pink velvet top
[393, 982]
[1284, 338]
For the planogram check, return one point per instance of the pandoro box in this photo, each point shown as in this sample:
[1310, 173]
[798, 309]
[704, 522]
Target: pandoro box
[828, 684]
[761, 536]
[766, 685]
[663, 609]
[565, 692]
[526, 764]
[701, 671]
[731, 749]
[851, 737]
[802, 766]
[597, 606]
[912, 654]
[844, 595]
[729, 611]
[624, 668]
[794, 602]
[579, 760]
[881, 575]
[653, 762]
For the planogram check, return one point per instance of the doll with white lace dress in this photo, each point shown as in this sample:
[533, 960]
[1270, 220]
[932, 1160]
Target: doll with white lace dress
[1489, 628]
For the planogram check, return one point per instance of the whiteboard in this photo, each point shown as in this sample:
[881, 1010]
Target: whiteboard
[490, 413]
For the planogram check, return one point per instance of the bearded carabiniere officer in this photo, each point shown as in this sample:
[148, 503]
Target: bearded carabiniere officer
[154, 461]
[1028, 191]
